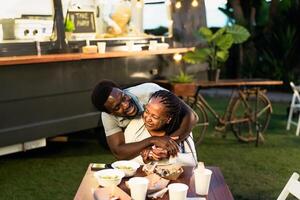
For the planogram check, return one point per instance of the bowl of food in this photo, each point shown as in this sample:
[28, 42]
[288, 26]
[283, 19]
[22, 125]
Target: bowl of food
[109, 177]
[169, 172]
[127, 166]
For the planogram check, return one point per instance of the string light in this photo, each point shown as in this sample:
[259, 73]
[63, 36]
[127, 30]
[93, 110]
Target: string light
[178, 4]
[195, 3]
[177, 57]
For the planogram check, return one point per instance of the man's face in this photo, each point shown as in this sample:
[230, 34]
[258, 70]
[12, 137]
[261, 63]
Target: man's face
[154, 116]
[120, 104]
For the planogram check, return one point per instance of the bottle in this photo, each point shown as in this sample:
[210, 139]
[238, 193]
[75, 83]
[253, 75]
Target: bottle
[38, 48]
[1, 32]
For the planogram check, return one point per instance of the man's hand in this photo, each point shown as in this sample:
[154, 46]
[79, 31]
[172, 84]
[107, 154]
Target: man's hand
[154, 154]
[159, 153]
[145, 154]
[116, 29]
[167, 143]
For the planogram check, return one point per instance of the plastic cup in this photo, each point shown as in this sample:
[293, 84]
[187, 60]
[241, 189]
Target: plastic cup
[138, 187]
[177, 191]
[130, 45]
[202, 181]
[152, 45]
[101, 47]
[1, 32]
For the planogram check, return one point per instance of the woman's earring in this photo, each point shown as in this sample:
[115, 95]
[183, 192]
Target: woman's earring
[169, 119]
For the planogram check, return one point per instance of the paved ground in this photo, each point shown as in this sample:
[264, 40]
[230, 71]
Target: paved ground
[273, 96]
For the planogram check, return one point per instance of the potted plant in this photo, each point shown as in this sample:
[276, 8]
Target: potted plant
[183, 84]
[217, 47]
[69, 28]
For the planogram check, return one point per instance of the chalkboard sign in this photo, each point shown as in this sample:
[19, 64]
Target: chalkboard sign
[84, 21]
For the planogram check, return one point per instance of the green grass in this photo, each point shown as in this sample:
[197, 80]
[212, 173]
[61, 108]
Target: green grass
[253, 173]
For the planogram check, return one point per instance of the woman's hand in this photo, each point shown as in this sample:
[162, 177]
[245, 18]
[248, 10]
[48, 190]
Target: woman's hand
[154, 154]
[167, 143]
[159, 153]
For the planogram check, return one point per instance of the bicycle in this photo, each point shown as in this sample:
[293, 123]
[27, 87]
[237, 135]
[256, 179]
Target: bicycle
[248, 113]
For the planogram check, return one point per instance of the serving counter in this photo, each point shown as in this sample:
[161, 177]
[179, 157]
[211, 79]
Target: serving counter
[14, 60]
[49, 95]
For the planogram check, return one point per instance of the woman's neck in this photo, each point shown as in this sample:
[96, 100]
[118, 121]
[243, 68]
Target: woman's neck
[157, 133]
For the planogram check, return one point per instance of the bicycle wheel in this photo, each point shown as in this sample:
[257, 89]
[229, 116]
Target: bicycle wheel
[202, 124]
[242, 116]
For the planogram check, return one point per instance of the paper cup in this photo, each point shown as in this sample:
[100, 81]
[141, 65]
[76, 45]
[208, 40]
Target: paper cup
[130, 45]
[152, 45]
[138, 187]
[101, 47]
[202, 181]
[178, 191]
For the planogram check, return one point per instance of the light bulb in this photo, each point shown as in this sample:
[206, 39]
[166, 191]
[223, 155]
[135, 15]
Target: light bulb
[178, 5]
[195, 3]
[177, 57]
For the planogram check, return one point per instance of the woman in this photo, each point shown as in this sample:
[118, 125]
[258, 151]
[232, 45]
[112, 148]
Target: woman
[162, 115]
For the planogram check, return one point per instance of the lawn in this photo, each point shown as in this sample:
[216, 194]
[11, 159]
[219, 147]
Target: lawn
[253, 173]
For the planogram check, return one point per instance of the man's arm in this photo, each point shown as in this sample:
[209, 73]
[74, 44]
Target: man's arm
[122, 150]
[144, 91]
[188, 122]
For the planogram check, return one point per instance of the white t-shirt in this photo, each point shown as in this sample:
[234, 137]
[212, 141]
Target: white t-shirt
[136, 131]
[141, 94]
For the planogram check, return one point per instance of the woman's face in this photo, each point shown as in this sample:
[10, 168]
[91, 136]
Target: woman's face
[155, 117]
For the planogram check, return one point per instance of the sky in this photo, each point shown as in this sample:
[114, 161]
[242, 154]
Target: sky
[214, 17]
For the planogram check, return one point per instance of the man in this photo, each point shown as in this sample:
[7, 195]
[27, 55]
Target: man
[118, 107]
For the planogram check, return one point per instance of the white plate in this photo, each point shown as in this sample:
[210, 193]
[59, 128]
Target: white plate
[170, 161]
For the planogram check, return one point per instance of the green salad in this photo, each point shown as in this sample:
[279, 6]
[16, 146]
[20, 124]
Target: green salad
[124, 167]
[109, 177]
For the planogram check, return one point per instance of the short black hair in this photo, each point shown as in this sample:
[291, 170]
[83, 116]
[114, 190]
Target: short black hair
[101, 93]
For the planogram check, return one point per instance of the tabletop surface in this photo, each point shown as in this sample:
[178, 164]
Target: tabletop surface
[230, 82]
[218, 190]
[239, 82]
[30, 59]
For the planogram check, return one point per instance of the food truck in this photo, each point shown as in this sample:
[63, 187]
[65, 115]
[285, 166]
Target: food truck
[53, 53]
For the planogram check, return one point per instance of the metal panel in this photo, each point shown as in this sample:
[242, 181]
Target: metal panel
[49, 99]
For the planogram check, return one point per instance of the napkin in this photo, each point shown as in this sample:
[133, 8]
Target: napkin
[110, 193]
[158, 194]
[156, 183]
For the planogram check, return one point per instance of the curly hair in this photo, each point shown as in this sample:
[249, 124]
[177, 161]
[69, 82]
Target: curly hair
[174, 109]
[101, 93]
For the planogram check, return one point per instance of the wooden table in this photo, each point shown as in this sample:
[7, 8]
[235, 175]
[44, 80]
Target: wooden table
[238, 82]
[218, 190]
